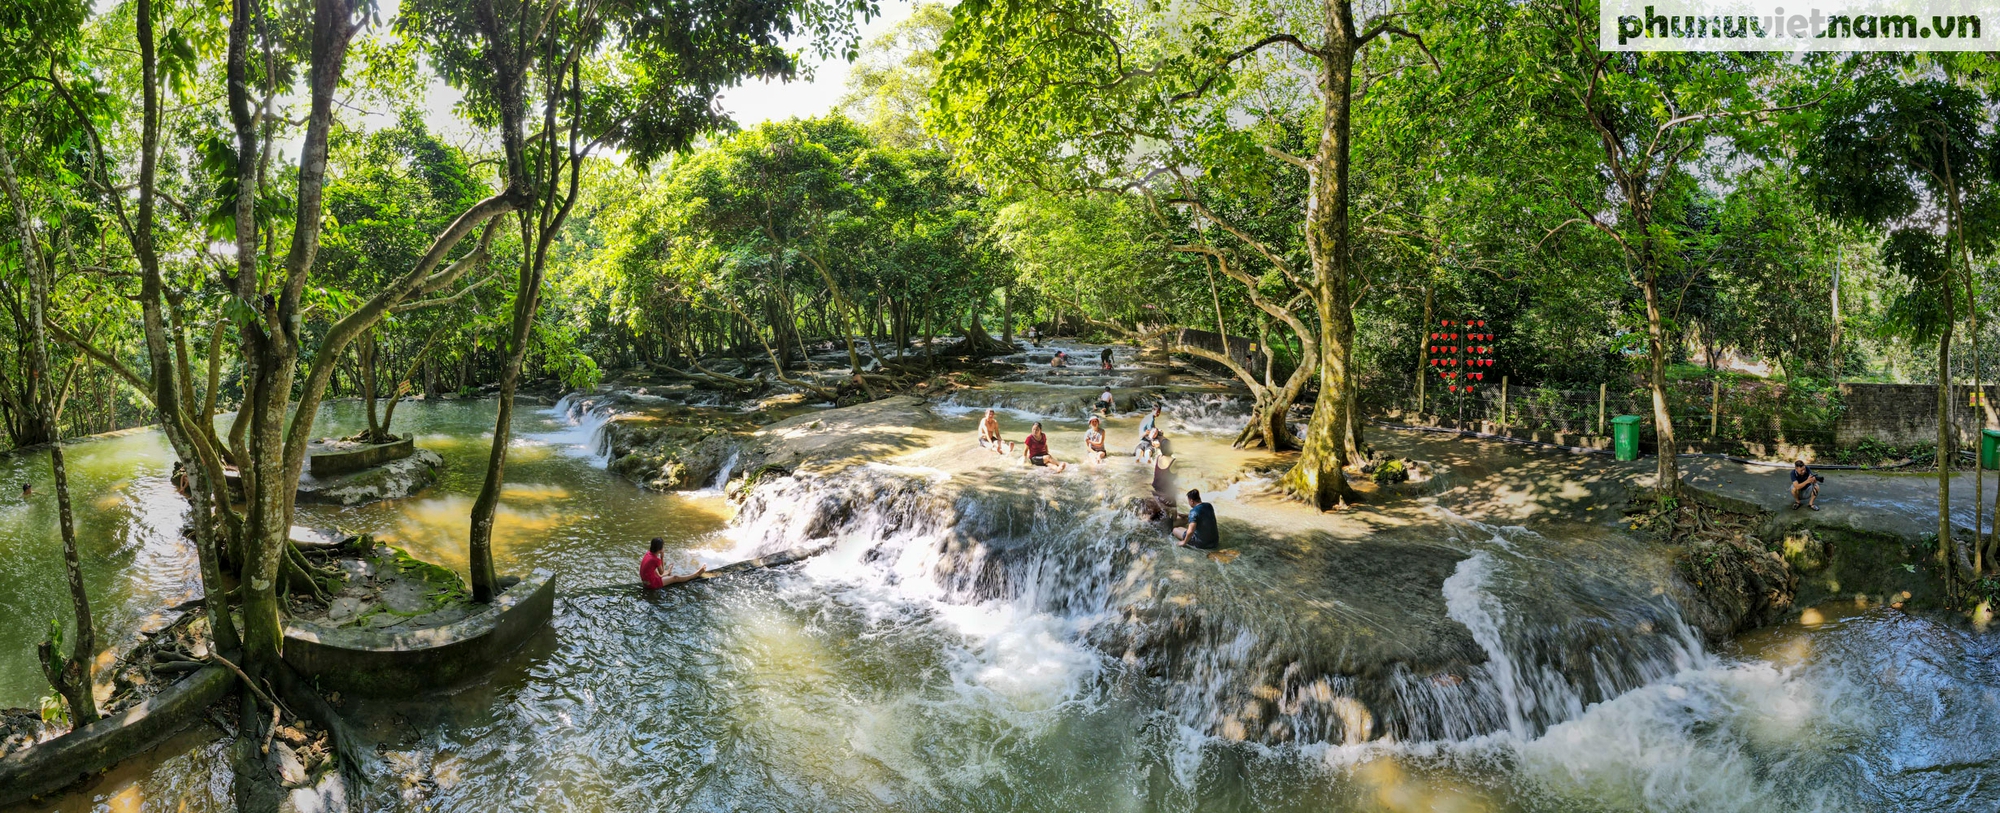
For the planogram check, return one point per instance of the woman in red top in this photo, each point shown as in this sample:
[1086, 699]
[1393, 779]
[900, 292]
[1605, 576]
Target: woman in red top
[653, 569]
[1037, 447]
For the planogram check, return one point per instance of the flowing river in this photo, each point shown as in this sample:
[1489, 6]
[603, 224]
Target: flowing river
[862, 681]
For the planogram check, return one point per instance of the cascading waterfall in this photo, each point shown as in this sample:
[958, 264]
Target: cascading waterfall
[722, 476]
[1556, 636]
[588, 418]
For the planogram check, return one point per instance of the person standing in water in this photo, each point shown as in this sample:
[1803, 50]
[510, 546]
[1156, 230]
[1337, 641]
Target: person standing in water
[1093, 442]
[989, 434]
[653, 573]
[1200, 531]
[1105, 358]
[1037, 450]
[1150, 437]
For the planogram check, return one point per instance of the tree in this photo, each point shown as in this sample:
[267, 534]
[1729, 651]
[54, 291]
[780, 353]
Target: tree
[1914, 156]
[1084, 95]
[1651, 115]
[653, 74]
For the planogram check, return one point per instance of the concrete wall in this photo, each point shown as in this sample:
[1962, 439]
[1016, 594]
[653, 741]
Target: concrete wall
[1904, 414]
[326, 464]
[58, 763]
[378, 663]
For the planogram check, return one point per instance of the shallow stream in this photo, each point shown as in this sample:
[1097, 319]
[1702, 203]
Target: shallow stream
[873, 679]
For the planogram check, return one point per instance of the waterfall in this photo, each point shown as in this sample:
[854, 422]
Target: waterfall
[588, 419]
[1065, 561]
[718, 487]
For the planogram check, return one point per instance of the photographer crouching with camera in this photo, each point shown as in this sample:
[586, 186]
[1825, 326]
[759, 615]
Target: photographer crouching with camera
[1805, 485]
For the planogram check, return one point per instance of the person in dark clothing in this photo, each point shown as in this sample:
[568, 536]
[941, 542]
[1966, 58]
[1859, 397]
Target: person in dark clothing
[1105, 358]
[1805, 485]
[1200, 532]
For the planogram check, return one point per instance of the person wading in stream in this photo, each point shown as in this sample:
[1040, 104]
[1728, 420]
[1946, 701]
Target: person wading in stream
[1093, 442]
[1200, 531]
[1805, 485]
[1104, 359]
[653, 570]
[989, 434]
[1106, 402]
[1037, 450]
[1150, 438]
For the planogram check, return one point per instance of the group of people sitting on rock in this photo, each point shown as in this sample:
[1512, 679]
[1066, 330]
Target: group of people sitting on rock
[1035, 447]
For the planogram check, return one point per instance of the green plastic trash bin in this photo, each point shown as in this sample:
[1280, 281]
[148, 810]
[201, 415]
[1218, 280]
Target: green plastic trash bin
[1625, 436]
[1989, 448]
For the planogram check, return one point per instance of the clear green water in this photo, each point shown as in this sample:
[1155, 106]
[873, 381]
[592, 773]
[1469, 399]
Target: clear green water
[818, 689]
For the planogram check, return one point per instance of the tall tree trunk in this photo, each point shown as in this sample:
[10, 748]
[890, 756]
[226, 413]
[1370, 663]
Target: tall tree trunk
[1423, 343]
[69, 674]
[1668, 471]
[1835, 353]
[1319, 476]
[1945, 452]
[1007, 315]
[364, 352]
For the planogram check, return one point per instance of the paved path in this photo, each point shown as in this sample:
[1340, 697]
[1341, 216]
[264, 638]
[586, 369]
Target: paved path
[1876, 502]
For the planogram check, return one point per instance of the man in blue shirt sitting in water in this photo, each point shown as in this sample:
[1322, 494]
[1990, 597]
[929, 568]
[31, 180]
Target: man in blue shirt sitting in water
[1200, 531]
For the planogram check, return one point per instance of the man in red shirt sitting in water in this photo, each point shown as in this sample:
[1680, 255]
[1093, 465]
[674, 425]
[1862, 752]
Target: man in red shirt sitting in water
[1037, 450]
[653, 569]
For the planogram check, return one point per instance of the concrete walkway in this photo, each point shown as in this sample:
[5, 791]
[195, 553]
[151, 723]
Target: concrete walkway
[1898, 504]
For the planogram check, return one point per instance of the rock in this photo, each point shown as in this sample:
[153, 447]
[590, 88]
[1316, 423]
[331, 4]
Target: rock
[344, 609]
[1737, 586]
[291, 769]
[357, 570]
[408, 596]
[392, 480]
[664, 455]
[328, 795]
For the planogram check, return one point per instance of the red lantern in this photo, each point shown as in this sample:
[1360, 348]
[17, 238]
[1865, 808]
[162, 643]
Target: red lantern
[1446, 323]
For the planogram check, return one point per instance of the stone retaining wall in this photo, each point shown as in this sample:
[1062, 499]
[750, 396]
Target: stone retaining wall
[58, 763]
[1905, 414]
[373, 662]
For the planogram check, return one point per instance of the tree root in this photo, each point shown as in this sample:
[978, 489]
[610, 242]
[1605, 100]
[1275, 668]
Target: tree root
[346, 744]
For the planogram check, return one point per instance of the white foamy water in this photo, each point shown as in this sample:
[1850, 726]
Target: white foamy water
[585, 436]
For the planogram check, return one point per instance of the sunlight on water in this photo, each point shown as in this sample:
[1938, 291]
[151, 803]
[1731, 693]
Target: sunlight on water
[989, 649]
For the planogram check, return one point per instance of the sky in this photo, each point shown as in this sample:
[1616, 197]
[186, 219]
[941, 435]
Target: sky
[757, 102]
[750, 104]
